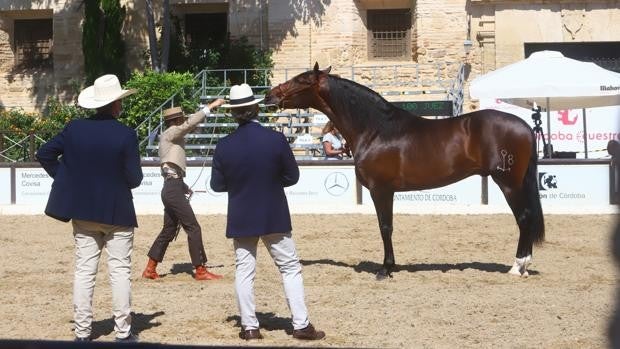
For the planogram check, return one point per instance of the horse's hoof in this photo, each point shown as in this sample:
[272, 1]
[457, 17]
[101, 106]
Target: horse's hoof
[514, 271]
[383, 274]
[519, 267]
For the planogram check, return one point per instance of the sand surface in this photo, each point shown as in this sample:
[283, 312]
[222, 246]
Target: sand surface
[451, 289]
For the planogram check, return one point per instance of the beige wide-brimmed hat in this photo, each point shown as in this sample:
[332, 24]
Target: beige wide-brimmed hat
[105, 90]
[172, 113]
[241, 96]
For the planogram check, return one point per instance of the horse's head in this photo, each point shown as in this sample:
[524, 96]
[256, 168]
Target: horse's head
[299, 92]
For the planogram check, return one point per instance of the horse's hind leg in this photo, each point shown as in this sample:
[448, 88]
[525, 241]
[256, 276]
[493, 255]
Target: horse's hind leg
[523, 216]
[522, 195]
[384, 203]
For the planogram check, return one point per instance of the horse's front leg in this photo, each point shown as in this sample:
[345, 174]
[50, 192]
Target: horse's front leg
[384, 203]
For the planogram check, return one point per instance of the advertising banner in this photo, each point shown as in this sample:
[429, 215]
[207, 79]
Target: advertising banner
[317, 185]
[567, 129]
[465, 192]
[566, 185]
[5, 184]
[323, 184]
[32, 186]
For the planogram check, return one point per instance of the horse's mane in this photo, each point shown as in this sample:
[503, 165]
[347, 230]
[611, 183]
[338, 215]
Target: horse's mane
[366, 107]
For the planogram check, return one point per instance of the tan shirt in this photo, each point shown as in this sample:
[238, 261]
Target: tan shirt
[172, 141]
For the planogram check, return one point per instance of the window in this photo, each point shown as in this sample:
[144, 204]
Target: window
[33, 42]
[205, 29]
[389, 34]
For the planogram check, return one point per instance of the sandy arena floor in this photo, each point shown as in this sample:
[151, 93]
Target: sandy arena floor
[451, 289]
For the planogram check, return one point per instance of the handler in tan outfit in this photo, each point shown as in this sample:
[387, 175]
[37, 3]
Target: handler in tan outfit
[175, 193]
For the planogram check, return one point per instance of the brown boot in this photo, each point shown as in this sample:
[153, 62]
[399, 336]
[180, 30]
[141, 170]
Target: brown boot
[150, 272]
[203, 274]
[308, 333]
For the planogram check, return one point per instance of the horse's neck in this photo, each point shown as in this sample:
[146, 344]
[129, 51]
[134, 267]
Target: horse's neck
[340, 114]
[343, 121]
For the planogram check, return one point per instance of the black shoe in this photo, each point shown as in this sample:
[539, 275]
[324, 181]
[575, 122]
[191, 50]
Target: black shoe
[132, 338]
[250, 334]
[82, 339]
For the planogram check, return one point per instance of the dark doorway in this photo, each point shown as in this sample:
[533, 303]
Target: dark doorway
[604, 53]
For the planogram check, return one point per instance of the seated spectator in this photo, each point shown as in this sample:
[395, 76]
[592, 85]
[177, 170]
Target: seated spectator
[334, 145]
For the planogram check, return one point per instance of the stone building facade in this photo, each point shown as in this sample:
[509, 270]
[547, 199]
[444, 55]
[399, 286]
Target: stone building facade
[395, 41]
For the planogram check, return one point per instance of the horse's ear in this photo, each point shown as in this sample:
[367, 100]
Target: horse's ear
[327, 70]
[316, 67]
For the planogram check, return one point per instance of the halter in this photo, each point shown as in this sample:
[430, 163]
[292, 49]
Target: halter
[285, 91]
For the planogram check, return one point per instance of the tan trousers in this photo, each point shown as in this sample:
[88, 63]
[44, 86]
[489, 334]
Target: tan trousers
[281, 247]
[90, 239]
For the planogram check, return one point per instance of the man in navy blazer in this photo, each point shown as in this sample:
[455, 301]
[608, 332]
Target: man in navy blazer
[254, 164]
[95, 163]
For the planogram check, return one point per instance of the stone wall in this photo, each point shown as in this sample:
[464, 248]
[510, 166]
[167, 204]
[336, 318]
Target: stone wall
[29, 88]
[332, 33]
[336, 35]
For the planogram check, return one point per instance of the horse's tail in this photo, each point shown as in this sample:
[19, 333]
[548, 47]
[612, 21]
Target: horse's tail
[532, 199]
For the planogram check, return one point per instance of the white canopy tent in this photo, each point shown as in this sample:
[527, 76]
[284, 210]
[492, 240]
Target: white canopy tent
[552, 81]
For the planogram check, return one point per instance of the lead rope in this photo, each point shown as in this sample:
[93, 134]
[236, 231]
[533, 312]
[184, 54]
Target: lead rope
[204, 164]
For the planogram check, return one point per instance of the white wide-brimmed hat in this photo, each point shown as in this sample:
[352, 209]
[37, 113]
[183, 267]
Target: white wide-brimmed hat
[104, 91]
[241, 96]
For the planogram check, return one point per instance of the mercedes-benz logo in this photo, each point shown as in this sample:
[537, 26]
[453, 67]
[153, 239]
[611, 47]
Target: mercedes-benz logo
[336, 183]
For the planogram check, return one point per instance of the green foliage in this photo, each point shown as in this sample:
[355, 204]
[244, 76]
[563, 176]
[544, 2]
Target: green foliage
[93, 65]
[221, 54]
[102, 42]
[63, 113]
[17, 125]
[153, 89]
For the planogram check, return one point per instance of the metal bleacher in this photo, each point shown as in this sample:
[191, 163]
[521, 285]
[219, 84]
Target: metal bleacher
[301, 127]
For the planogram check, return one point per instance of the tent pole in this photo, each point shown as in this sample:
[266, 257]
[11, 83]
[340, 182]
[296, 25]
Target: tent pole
[548, 151]
[585, 134]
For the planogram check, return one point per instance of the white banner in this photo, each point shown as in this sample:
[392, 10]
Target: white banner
[467, 192]
[567, 131]
[566, 185]
[323, 185]
[5, 184]
[317, 185]
[32, 186]
[560, 185]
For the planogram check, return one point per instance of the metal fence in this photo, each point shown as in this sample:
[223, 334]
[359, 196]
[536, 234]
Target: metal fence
[16, 148]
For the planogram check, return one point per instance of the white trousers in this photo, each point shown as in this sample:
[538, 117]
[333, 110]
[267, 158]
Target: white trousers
[90, 239]
[282, 250]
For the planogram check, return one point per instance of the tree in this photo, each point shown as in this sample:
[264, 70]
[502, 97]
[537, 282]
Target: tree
[159, 62]
[102, 41]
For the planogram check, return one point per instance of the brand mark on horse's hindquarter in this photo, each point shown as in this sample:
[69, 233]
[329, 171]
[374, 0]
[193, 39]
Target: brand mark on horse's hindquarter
[507, 161]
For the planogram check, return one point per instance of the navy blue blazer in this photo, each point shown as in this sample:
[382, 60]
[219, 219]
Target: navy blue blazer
[95, 163]
[254, 164]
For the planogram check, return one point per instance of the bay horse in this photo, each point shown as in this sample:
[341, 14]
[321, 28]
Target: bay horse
[395, 150]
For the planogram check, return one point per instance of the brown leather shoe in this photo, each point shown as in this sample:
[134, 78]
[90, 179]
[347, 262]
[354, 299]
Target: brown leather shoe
[308, 333]
[203, 274]
[150, 271]
[250, 334]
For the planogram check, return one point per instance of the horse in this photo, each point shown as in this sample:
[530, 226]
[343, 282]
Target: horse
[395, 150]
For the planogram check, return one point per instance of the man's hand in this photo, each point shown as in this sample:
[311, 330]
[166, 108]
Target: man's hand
[213, 105]
[216, 103]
